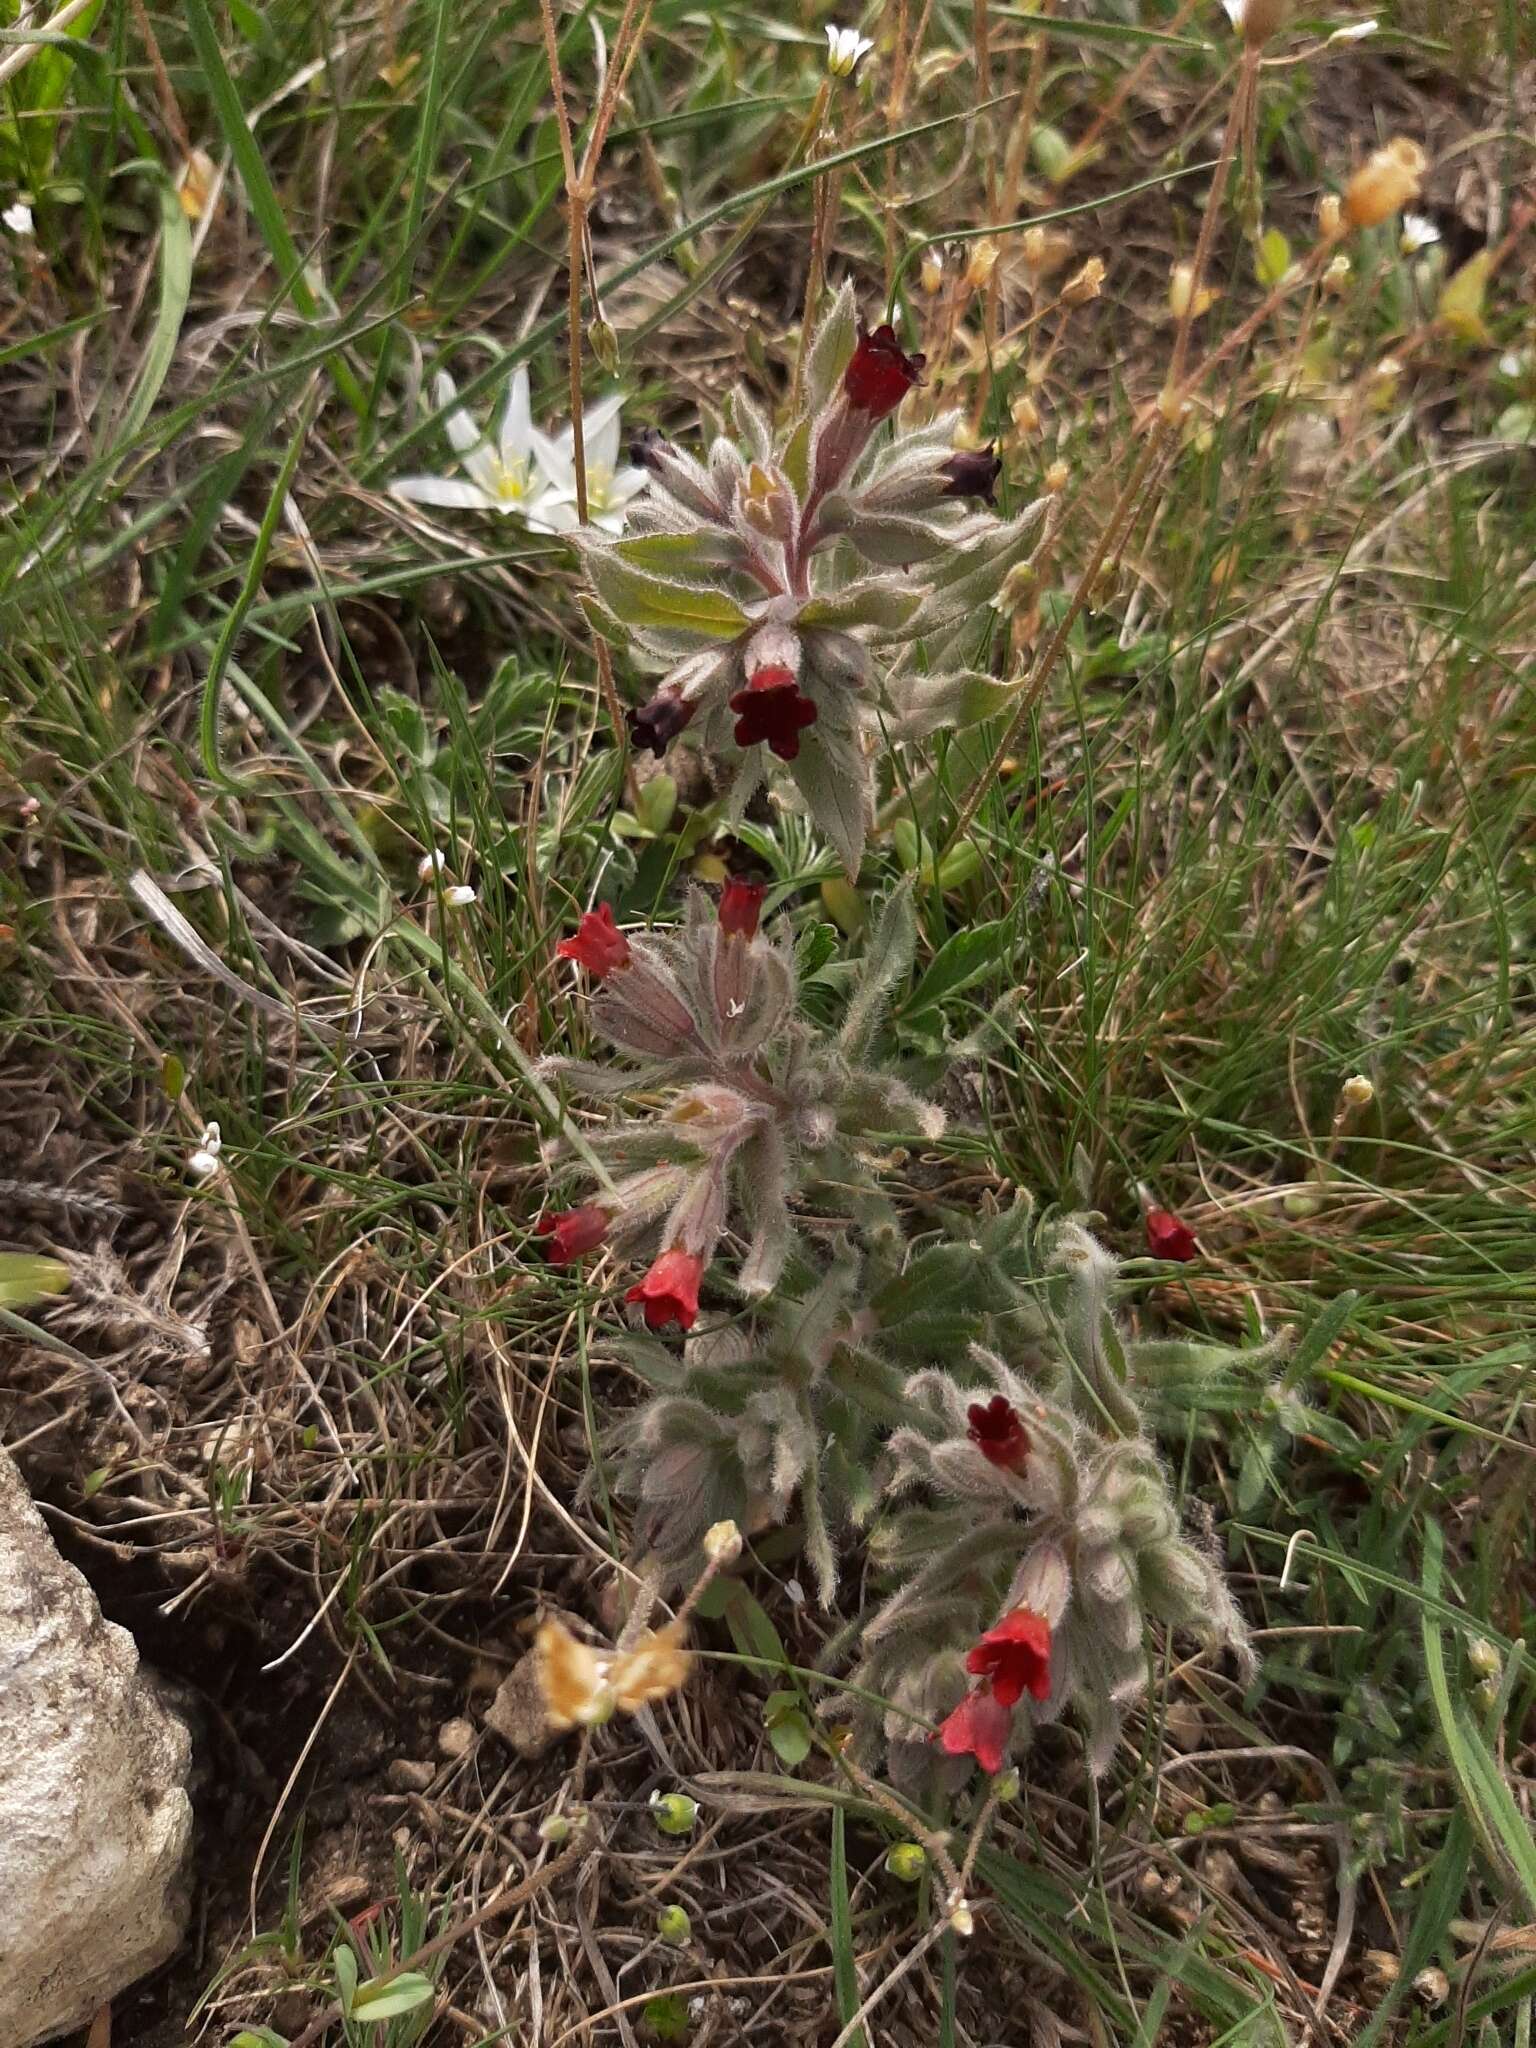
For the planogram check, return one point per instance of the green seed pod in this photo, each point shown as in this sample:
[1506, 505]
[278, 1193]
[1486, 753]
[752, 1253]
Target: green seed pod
[674, 1926]
[907, 1860]
[674, 1812]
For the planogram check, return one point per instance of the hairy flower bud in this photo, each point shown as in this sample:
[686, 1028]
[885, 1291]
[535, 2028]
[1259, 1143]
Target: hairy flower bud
[722, 1544]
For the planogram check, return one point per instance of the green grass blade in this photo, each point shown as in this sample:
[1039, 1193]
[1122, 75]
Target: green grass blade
[840, 1934]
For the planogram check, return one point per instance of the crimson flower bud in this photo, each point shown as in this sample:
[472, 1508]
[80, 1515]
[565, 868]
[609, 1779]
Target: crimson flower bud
[771, 709]
[972, 473]
[669, 1293]
[573, 1231]
[598, 944]
[657, 724]
[880, 373]
[1168, 1238]
[997, 1432]
[741, 904]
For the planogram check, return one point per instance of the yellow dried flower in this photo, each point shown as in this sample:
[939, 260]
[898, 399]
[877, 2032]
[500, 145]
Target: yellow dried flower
[931, 271]
[1183, 298]
[1388, 180]
[1337, 275]
[573, 1679]
[1057, 477]
[1330, 217]
[983, 261]
[658, 1665]
[1085, 284]
[1357, 1091]
[194, 184]
[1036, 247]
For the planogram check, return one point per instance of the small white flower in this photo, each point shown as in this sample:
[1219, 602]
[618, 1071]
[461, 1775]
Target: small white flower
[1418, 233]
[459, 897]
[510, 476]
[845, 46]
[1514, 363]
[431, 864]
[18, 218]
[1355, 31]
[204, 1162]
[609, 488]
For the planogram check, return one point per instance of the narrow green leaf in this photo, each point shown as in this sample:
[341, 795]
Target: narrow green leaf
[844, 1969]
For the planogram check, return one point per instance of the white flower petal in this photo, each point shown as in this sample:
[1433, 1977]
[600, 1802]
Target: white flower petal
[555, 456]
[629, 483]
[601, 431]
[556, 514]
[516, 419]
[441, 490]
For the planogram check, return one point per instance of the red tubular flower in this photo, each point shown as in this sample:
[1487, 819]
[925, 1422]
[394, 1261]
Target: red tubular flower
[573, 1231]
[997, 1432]
[1016, 1656]
[599, 945]
[880, 374]
[1168, 1238]
[741, 904]
[978, 1727]
[670, 1290]
[772, 709]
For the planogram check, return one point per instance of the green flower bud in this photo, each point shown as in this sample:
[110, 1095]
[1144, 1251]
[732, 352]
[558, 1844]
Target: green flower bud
[674, 1926]
[555, 1830]
[674, 1812]
[1484, 1658]
[907, 1860]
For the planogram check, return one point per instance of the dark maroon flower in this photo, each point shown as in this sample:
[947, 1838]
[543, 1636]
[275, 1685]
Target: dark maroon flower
[741, 904]
[670, 1290]
[657, 724]
[1168, 1238]
[771, 709]
[972, 473]
[1015, 1655]
[978, 1727]
[598, 945]
[648, 447]
[880, 373]
[573, 1231]
[997, 1432]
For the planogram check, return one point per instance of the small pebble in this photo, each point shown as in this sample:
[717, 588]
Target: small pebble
[456, 1738]
[407, 1774]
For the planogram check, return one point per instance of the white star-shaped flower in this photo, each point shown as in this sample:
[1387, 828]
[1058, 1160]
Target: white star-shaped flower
[18, 218]
[845, 46]
[609, 487]
[509, 476]
[1418, 233]
[1355, 31]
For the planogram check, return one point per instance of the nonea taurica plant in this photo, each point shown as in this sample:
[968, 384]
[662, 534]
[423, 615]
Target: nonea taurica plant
[808, 595]
[752, 1107]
